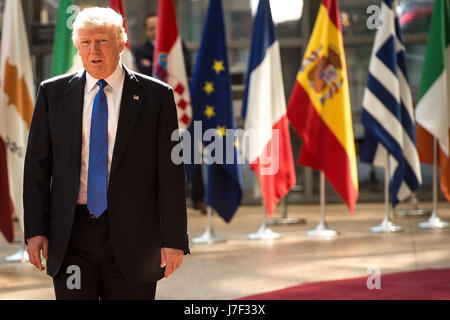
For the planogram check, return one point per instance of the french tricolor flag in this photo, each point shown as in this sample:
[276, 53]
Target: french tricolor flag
[264, 111]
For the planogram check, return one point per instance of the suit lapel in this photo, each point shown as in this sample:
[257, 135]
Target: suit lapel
[73, 98]
[129, 110]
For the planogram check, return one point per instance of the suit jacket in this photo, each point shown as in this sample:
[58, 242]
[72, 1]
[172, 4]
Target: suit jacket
[144, 52]
[146, 191]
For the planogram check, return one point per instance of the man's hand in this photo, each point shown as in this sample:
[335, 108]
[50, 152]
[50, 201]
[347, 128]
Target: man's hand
[35, 245]
[172, 259]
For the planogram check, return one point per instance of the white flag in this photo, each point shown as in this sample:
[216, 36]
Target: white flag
[17, 96]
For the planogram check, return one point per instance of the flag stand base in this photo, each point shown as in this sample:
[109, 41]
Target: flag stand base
[322, 230]
[286, 221]
[434, 223]
[264, 233]
[387, 226]
[19, 256]
[413, 212]
[208, 236]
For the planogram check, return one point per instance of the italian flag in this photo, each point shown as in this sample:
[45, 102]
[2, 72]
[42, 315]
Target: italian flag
[16, 111]
[433, 107]
[65, 57]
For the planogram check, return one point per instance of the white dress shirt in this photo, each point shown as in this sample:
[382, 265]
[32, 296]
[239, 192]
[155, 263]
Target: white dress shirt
[113, 92]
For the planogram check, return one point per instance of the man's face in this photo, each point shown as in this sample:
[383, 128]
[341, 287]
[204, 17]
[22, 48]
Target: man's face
[100, 50]
[150, 27]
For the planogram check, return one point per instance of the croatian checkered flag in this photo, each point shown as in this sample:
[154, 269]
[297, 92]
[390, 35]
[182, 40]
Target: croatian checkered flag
[169, 65]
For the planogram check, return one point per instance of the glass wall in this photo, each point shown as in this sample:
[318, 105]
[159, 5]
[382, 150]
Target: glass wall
[356, 15]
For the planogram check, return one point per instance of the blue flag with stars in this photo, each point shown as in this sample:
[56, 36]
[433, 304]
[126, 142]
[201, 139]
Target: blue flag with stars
[212, 106]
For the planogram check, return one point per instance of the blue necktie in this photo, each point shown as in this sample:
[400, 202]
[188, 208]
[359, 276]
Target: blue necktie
[98, 154]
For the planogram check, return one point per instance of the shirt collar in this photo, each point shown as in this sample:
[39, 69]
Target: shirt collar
[115, 80]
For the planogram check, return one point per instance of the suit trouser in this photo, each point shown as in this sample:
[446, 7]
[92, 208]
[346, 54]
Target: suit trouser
[89, 270]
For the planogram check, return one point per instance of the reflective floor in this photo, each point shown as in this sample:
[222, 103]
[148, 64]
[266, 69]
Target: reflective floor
[239, 267]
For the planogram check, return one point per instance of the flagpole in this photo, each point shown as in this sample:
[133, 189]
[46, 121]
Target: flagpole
[435, 221]
[387, 225]
[263, 232]
[285, 220]
[322, 229]
[208, 235]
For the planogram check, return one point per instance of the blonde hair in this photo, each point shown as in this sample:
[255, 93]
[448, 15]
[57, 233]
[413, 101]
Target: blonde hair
[93, 17]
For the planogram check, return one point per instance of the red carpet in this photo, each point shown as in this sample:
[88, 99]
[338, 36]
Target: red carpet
[430, 284]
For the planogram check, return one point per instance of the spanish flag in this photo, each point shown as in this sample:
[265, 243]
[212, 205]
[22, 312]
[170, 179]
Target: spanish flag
[319, 106]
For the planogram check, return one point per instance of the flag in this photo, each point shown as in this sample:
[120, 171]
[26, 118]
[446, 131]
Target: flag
[127, 55]
[212, 104]
[264, 111]
[6, 206]
[388, 113]
[65, 58]
[16, 110]
[168, 64]
[433, 106]
[319, 106]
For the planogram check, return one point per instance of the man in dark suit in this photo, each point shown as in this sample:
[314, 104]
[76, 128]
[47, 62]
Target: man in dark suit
[144, 54]
[103, 201]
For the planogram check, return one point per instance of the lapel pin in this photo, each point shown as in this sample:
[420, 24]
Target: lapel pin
[136, 98]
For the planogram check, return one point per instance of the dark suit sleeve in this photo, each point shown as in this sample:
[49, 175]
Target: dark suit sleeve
[140, 54]
[37, 171]
[187, 60]
[171, 181]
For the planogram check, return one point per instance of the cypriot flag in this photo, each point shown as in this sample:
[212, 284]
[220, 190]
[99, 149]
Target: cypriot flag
[16, 98]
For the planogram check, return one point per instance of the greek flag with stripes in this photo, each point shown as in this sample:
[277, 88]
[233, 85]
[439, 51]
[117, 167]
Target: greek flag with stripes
[388, 113]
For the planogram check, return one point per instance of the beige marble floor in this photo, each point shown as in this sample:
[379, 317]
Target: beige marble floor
[240, 267]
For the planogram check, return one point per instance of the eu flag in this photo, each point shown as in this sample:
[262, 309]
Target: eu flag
[212, 107]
